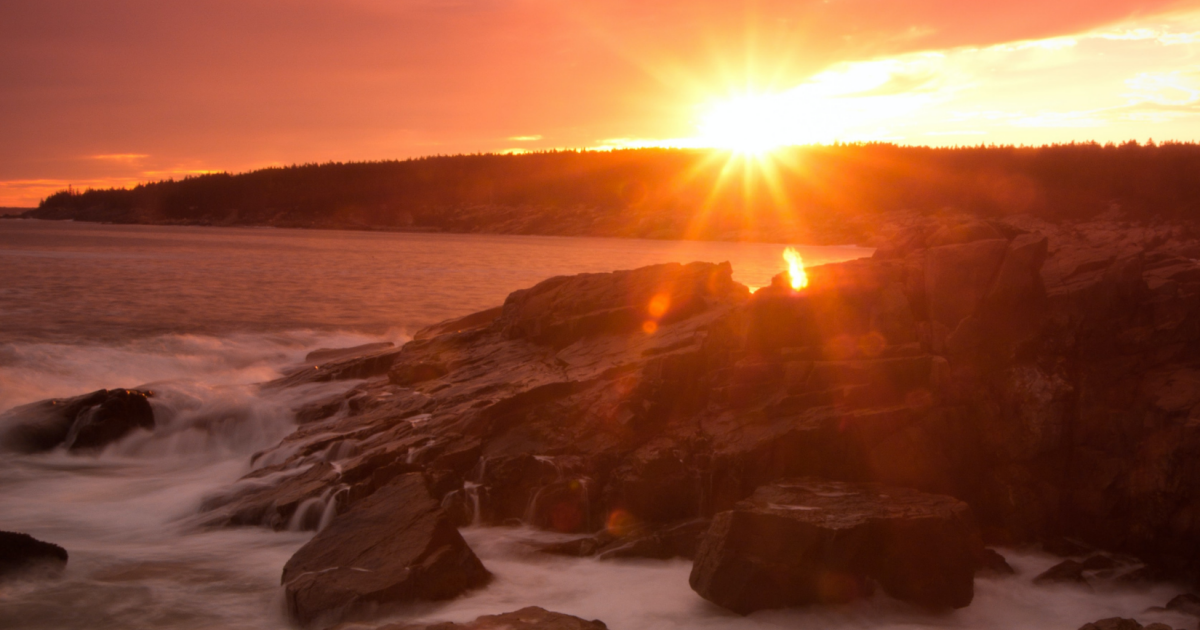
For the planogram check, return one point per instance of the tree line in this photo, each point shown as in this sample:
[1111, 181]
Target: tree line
[822, 193]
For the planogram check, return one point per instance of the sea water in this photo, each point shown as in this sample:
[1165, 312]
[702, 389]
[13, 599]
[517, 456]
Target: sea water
[199, 315]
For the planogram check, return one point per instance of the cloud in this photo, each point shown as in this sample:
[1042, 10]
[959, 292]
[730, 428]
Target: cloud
[233, 84]
[119, 157]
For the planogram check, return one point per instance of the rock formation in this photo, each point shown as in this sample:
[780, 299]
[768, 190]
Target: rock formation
[24, 555]
[1045, 375]
[86, 422]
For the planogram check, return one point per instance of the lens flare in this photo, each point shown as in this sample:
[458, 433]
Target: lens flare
[795, 268]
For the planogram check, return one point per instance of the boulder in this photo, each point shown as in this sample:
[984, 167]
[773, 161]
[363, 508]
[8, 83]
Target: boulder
[1065, 572]
[1113, 623]
[806, 541]
[22, 554]
[1187, 603]
[86, 422]
[395, 546]
[529, 618]
[992, 563]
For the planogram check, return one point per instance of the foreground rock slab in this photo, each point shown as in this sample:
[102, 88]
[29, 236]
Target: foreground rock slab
[1117, 623]
[530, 618]
[22, 554]
[86, 422]
[805, 541]
[393, 547]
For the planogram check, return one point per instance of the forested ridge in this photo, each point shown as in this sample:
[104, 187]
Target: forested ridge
[834, 194]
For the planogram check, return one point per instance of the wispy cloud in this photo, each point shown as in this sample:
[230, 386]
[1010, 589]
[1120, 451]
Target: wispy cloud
[525, 138]
[119, 157]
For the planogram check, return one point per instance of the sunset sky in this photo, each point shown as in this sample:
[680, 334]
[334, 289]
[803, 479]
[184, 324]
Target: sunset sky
[111, 93]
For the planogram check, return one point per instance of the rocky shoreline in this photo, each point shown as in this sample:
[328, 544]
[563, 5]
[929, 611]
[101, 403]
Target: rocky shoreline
[972, 384]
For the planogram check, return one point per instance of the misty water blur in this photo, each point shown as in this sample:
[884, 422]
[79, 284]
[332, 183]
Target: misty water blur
[200, 314]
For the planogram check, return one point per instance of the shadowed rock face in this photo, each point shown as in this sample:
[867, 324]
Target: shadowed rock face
[22, 555]
[396, 546]
[85, 422]
[798, 542]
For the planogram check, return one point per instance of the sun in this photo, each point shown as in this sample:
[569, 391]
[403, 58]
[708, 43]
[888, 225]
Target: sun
[755, 124]
[751, 124]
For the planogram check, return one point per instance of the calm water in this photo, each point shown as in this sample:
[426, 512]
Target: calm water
[200, 314]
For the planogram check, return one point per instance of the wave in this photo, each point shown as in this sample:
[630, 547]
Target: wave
[36, 371]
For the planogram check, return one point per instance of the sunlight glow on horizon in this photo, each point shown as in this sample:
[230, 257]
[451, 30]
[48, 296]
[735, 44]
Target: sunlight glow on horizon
[1134, 79]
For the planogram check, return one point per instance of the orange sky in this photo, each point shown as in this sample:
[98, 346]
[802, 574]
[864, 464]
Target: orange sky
[101, 94]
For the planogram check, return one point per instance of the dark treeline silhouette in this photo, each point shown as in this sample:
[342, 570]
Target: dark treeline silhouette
[835, 193]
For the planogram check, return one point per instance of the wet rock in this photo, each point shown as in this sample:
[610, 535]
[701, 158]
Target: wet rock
[1187, 603]
[990, 562]
[87, 422]
[806, 542]
[1113, 623]
[23, 555]
[1065, 572]
[341, 367]
[324, 355]
[530, 618]
[395, 546]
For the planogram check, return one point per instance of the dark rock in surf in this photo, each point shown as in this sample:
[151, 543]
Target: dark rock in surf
[1065, 572]
[395, 546]
[530, 618]
[1187, 603]
[1113, 623]
[806, 541]
[992, 563]
[23, 555]
[87, 422]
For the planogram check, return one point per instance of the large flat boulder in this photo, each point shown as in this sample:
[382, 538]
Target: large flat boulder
[86, 422]
[805, 541]
[395, 546]
[22, 554]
